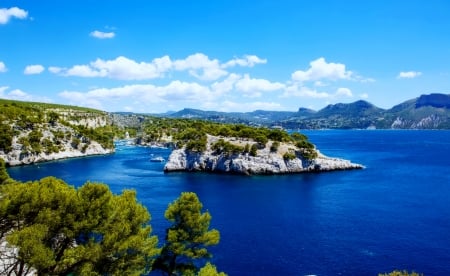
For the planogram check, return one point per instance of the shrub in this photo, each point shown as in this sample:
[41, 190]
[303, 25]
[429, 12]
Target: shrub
[274, 147]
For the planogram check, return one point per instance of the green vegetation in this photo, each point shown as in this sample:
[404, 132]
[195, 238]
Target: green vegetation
[193, 135]
[210, 270]
[57, 229]
[225, 147]
[187, 238]
[400, 273]
[46, 128]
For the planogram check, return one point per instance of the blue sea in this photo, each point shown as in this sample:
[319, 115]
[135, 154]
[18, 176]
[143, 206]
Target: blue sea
[395, 214]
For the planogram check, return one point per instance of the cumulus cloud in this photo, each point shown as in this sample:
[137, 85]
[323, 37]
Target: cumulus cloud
[14, 12]
[246, 61]
[342, 91]
[226, 85]
[320, 69]
[33, 69]
[17, 94]
[102, 35]
[143, 93]
[121, 68]
[253, 87]
[246, 107]
[198, 65]
[409, 75]
[304, 92]
[3, 67]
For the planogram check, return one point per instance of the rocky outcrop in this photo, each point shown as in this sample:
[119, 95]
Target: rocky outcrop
[17, 157]
[265, 162]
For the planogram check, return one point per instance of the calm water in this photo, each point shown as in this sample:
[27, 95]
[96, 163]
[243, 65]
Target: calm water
[395, 214]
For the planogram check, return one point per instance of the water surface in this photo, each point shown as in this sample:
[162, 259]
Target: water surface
[395, 214]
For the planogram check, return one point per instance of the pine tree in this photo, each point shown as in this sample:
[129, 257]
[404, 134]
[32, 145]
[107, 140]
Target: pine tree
[58, 230]
[187, 238]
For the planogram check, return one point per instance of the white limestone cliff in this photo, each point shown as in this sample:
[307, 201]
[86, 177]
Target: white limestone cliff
[265, 162]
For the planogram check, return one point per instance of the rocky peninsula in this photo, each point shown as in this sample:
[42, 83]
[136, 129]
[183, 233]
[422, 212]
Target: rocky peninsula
[266, 160]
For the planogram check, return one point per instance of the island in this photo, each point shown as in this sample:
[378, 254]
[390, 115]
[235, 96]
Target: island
[272, 158]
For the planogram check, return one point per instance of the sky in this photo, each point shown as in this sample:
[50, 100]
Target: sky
[156, 56]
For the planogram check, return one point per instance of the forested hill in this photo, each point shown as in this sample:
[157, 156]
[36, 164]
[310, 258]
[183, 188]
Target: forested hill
[33, 132]
[425, 112]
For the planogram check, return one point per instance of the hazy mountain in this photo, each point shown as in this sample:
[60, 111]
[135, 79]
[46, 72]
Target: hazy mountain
[425, 112]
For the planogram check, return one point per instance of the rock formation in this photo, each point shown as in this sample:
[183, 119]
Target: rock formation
[265, 162]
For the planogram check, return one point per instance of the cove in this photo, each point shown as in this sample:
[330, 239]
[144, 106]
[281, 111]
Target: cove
[392, 215]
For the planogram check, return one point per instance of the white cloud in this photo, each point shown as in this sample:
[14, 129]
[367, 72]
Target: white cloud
[253, 87]
[102, 35]
[247, 61]
[7, 14]
[409, 75]
[320, 69]
[120, 68]
[225, 85]
[303, 92]
[364, 96]
[33, 69]
[142, 93]
[3, 67]
[198, 65]
[228, 106]
[20, 95]
[55, 70]
[2, 90]
[343, 92]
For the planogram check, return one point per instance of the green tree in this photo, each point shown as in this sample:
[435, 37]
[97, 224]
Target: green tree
[59, 230]
[254, 150]
[400, 273]
[210, 270]
[4, 176]
[187, 238]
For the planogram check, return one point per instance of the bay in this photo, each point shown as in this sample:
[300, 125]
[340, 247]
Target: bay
[395, 214]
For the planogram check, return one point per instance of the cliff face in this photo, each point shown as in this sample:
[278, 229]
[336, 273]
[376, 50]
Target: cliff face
[37, 132]
[265, 162]
[66, 143]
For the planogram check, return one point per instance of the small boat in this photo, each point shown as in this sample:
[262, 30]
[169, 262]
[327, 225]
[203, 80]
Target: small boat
[157, 159]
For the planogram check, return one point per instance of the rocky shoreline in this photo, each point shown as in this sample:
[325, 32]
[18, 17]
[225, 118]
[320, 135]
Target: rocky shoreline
[16, 157]
[264, 163]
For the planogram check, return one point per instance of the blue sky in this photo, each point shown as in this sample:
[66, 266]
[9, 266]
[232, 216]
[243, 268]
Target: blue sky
[156, 56]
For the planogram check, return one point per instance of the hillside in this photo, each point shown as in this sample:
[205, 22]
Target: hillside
[34, 132]
[425, 112]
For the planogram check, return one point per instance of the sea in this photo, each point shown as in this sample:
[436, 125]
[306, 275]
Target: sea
[394, 214]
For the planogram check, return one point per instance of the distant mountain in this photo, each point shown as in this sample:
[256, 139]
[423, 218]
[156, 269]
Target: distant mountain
[425, 112]
[257, 117]
[359, 114]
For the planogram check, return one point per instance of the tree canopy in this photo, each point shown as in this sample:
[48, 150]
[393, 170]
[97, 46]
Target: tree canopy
[54, 229]
[188, 237]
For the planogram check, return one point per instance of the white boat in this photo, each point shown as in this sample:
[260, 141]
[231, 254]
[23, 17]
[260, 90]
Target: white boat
[157, 159]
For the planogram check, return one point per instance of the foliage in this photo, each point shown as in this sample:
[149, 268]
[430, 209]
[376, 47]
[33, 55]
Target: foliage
[33, 123]
[4, 176]
[187, 238]
[222, 146]
[192, 133]
[254, 150]
[289, 156]
[59, 230]
[400, 273]
[274, 147]
[210, 270]
[6, 134]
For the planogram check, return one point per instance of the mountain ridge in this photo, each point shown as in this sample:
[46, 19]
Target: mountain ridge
[430, 111]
